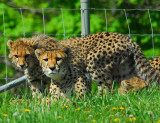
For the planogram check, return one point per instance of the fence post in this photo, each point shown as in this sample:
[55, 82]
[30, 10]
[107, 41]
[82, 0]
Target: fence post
[85, 23]
[85, 17]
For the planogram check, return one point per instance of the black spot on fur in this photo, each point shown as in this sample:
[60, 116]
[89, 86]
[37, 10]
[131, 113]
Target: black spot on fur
[107, 34]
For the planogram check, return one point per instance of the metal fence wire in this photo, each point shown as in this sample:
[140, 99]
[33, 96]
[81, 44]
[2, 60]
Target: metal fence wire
[85, 30]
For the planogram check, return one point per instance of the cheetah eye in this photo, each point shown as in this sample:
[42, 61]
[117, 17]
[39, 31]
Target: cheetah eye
[27, 55]
[58, 59]
[45, 59]
[16, 56]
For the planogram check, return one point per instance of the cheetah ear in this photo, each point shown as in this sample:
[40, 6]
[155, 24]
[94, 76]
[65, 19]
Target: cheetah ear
[35, 45]
[65, 50]
[9, 43]
[38, 52]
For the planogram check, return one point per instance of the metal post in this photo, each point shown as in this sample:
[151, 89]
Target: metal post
[13, 84]
[85, 17]
[85, 23]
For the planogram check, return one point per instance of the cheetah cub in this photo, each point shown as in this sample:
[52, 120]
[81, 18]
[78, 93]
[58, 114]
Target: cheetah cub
[108, 57]
[65, 78]
[23, 56]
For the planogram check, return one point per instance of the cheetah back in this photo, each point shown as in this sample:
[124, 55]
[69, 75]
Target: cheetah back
[108, 57]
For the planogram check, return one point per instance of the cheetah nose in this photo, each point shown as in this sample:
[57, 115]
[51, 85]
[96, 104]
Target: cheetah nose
[22, 66]
[52, 68]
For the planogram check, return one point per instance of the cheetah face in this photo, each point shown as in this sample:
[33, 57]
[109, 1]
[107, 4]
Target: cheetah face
[54, 63]
[21, 54]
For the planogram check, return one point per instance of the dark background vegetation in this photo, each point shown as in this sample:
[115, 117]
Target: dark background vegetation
[143, 30]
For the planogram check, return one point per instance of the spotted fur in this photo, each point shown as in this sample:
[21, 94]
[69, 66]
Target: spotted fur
[65, 78]
[108, 57]
[136, 83]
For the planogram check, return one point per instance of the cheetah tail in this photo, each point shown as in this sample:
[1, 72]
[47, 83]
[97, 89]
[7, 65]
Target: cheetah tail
[144, 68]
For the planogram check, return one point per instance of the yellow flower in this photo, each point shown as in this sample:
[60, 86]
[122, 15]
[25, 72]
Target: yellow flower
[112, 115]
[86, 112]
[121, 108]
[64, 107]
[78, 109]
[27, 110]
[116, 119]
[93, 121]
[5, 115]
[132, 118]
[114, 108]
[158, 121]
[59, 117]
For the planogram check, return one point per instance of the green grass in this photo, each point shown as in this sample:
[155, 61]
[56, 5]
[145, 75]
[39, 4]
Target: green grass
[140, 107]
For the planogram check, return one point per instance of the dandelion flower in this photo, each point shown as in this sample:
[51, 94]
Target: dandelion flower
[5, 115]
[78, 109]
[158, 121]
[93, 121]
[111, 115]
[86, 112]
[27, 110]
[116, 119]
[132, 118]
[121, 108]
[58, 117]
[114, 108]
[65, 107]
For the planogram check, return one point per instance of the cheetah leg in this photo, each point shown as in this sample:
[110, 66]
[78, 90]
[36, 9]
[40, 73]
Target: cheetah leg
[55, 91]
[82, 86]
[105, 87]
[37, 88]
[103, 79]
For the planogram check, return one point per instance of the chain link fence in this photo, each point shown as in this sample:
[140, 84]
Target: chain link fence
[86, 13]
